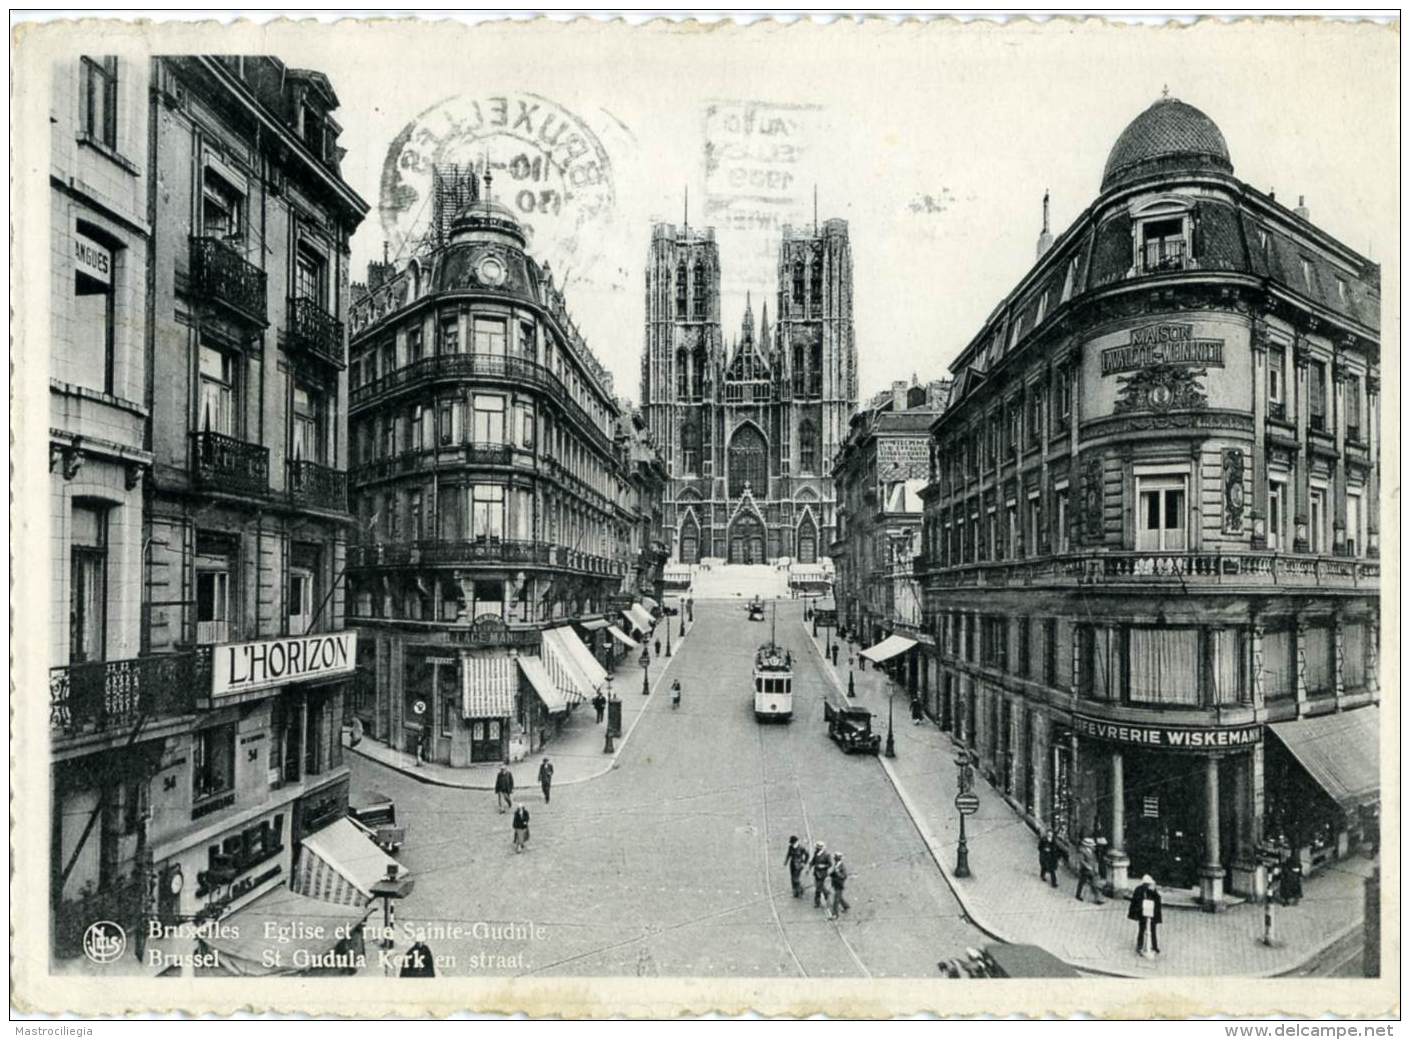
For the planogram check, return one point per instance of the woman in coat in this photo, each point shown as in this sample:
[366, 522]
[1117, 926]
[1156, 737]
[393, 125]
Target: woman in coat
[1145, 910]
[1048, 854]
[521, 828]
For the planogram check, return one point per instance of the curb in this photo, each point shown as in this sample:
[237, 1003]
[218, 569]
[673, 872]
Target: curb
[434, 781]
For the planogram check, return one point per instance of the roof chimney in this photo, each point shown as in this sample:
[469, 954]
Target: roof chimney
[898, 395]
[1302, 210]
[1045, 238]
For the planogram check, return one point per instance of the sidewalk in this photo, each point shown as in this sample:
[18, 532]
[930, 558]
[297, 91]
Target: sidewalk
[576, 752]
[1004, 896]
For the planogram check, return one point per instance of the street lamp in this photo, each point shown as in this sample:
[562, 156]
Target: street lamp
[646, 673]
[668, 637]
[890, 719]
[851, 683]
[962, 854]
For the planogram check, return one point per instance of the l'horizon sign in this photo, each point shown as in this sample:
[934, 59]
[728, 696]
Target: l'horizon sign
[1164, 343]
[1168, 738]
[241, 667]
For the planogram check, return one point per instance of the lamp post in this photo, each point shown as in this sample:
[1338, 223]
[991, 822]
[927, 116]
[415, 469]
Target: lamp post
[962, 853]
[668, 637]
[890, 719]
[851, 684]
[646, 674]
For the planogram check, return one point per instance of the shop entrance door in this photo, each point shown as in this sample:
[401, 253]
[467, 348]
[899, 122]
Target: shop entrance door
[1164, 816]
[485, 741]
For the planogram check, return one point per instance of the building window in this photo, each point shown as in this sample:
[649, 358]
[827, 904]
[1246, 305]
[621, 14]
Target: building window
[489, 419]
[414, 345]
[1069, 283]
[1035, 415]
[487, 511]
[1276, 385]
[526, 340]
[526, 427]
[218, 392]
[1062, 385]
[680, 290]
[300, 603]
[993, 642]
[698, 291]
[1341, 290]
[213, 761]
[1062, 541]
[1011, 513]
[690, 448]
[1354, 541]
[1025, 647]
[1161, 519]
[1035, 524]
[212, 605]
[1353, 409]
[222, 207]
[88, 590]
[798, 282]
[92, 317]
[1317, 395]
[100, 84]
[807, 447]
[307, 441]
[1308, 278]
[1277, 514]
[1042, 311]
[1164, 666]
[1163, 244]
[309, 281]
[1050, 651]
[489, 336]
[1317, 520]
[449, 329]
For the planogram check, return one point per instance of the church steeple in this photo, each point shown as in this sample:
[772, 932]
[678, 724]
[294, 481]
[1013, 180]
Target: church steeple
[1045, 237]
[764, 332]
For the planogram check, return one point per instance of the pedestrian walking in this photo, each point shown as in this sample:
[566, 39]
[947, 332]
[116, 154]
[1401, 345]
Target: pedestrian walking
[1049, 852]
[796, 858]
[838, 876]
[356, 731]
[504, 789]
[822, 866]
[545, 777]
[658, 646]
[917, 711]
[1290, 881]
[1145, 910]
[418, 962]
[1087, 871]
[676, 694]
[521, 828]
[599, 705]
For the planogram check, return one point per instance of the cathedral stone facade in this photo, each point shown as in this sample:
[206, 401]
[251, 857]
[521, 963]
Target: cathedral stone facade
[748, 430]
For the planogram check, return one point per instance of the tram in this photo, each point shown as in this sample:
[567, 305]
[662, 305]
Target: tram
[773, 681]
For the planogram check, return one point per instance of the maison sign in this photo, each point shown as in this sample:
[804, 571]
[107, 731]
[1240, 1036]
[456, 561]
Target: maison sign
[1168, 738]
[240, 667]
[1165, 343]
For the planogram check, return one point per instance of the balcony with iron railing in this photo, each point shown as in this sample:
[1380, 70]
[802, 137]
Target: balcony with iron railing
[223, 463]
[494, 552]
[316, 332]
[221, 275]
[418, 460]
[315, 486]
[106, 697]
[1165, 254]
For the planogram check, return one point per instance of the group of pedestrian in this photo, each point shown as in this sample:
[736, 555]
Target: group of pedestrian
[1144, 907]
[829, 876]
[504, 799]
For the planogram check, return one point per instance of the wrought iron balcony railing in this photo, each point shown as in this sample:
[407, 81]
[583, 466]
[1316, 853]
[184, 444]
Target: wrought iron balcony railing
[220, 274]
[106, 696]
[226, 464]
[439, 552]
[316, 332]
[320, 487]
[1165, 255]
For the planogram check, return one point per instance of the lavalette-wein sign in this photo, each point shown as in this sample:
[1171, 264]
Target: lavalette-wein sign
[240, 667]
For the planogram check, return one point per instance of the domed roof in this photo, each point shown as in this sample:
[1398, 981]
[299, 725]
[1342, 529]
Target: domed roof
[1169, 135]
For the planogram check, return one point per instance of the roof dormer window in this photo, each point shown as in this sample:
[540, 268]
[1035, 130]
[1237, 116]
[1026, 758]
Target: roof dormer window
[313, 131]
[1163, 246]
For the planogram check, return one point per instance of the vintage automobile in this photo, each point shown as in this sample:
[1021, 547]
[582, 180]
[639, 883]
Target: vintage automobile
[1007, 961]
[377, 817]
[851, 729]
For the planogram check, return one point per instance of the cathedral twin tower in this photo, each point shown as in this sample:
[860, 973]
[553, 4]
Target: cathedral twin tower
[749, 433]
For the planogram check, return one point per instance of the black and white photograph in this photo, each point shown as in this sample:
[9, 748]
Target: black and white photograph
[650, 517]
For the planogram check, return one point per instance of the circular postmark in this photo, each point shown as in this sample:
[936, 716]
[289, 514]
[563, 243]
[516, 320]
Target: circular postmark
[548, 167]
[104, 942]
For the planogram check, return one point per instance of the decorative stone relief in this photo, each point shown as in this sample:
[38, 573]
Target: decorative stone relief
[1233, 482]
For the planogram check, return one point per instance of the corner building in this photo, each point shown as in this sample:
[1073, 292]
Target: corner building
[747, 431]
[1151, 533]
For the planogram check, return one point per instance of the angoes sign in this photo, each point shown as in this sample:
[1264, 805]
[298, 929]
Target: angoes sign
[238, 667]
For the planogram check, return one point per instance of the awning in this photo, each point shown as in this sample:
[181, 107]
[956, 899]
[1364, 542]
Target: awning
[542, 683]
[623, 638]
[490, 684]
[888, 648]
[827, 605]
[243, 945]
[567, 677]
[594, 624]
[649, 603]
[633, 625]
[1342, 752]
[340, 864]
[644, 620]
[587, 664]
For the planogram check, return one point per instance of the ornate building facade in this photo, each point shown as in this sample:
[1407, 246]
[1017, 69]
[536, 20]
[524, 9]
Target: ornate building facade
[1151, 533]
[748, 430]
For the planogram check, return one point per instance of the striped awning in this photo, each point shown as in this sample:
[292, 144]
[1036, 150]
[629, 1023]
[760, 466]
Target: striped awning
[340, 864]
[490, 684]
[587, 664]
[1342, 752]
[567, 677]
[542, 683]
[643, 620]
[623, 638]
[888, 648]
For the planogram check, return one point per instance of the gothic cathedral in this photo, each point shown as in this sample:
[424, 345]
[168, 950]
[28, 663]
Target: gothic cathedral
[749, 432]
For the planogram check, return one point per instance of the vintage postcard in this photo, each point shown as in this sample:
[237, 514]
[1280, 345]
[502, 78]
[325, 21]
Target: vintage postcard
[592, 518]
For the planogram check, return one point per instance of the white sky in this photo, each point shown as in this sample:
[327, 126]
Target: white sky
[981, 119]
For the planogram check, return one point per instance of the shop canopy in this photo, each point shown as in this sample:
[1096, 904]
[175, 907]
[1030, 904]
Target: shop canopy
[340, 864]
[1341, 752]
[640, 619]
[587, 663]
[243, 946]
[827, 605]
[542, 682]
[490, 684]
[593, 624]
[649, 603]
[562, 667]
[623, 638]
[888, 648]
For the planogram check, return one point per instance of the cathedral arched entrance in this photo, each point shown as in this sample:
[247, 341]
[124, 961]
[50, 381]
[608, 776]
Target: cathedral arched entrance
[690, 541]
[808, 541]
[746, 540]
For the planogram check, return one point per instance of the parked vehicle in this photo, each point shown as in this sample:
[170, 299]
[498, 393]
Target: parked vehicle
[378, 818]
[1007, 961]
[850, 728]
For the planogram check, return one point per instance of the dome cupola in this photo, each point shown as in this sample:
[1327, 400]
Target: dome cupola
[1169, 136]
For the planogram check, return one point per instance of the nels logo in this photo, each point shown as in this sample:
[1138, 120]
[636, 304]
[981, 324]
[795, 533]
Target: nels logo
[104, 942]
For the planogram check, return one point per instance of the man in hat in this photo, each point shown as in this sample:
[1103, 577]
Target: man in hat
[822, 866]
[796, 858]
[1049, 852]
[599, 705]
[1087, 870]
[839, 882]
[504, 788]
[546, 777]
[1145, 910]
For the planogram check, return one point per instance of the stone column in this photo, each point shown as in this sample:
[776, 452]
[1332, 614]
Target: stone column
[1211, 872]
[1258, 343]
[1338, 659]
[1117, 860]
[1300, 666]
[1302, 460]
[1340, 376]
[1245, 865]
[1372, 434]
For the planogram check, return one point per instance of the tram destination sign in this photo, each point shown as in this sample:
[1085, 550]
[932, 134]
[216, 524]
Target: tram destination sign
[240, 667]
[1165, 343]
[1168, 738]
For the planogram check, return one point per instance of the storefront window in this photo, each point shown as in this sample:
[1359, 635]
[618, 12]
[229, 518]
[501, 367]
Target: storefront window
[1164, 666]
[1161, 516]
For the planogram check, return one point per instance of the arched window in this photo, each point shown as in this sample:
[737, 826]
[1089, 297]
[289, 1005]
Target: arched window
[808, 541]
[690, 447]
[699, 289]
[815, 373]
[680, 290]
[690, 540]
[799, 368]
[748, 461]
[697, 382]
[817, 285]
[798, 282]
[683, 374]
[808, 446]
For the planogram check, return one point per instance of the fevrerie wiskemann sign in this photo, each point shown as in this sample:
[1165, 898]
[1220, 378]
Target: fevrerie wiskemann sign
[239, 667]
[1170, 738]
